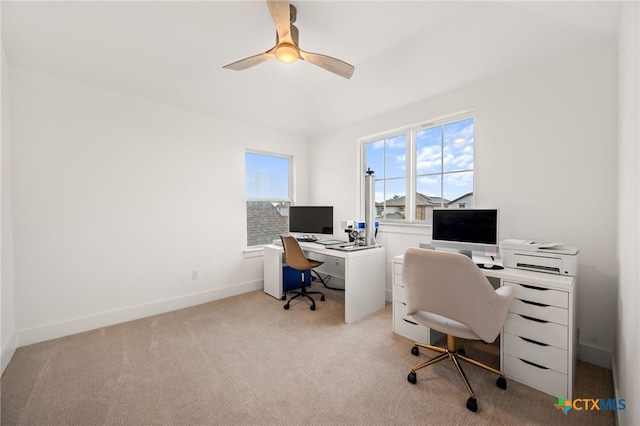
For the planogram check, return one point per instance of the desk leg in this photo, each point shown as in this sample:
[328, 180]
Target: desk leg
[273, 273]
[364, 286]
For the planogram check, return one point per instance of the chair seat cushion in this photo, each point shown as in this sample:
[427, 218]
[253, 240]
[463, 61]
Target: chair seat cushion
[314, 263]
[444, 325]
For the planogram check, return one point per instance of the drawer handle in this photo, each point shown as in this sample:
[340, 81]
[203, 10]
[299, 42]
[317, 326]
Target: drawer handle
[533, 287]
[529, 302]
[533, 341]
[410, 322]
[533, 319]
[533, 364]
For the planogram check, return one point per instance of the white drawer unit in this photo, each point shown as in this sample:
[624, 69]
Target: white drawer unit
[539, 339]
[403, 324]
[538, 343]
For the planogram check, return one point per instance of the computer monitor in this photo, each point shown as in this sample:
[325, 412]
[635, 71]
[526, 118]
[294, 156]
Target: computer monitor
[308, 220]
[465, 230]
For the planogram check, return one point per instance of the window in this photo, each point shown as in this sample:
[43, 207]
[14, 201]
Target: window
[268, 194]
[421, 167]
[387, 158]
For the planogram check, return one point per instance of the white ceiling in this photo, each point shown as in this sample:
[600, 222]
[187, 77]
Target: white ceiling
[173, 51]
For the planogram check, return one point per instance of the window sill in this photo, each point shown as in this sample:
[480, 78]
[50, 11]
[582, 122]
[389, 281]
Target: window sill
[405, 228]
[250, 252]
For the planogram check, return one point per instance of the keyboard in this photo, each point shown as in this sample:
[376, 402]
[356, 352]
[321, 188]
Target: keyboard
[306, 239]
[348, 247]
[329, 242]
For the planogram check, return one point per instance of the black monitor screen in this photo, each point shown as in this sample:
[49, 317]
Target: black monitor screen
[475, 226]
[311, 219]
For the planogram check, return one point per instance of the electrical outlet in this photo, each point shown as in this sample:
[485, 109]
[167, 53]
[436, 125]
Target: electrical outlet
[195, 274]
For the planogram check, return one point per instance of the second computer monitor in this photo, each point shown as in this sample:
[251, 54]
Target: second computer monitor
[465, 230]
[311, 220]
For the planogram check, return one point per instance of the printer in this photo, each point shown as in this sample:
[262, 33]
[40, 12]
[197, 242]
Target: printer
[538, 256]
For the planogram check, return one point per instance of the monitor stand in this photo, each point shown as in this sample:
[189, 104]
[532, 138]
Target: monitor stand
[467, 253]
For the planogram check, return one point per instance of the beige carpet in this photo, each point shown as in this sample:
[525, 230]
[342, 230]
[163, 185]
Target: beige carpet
[247, 361]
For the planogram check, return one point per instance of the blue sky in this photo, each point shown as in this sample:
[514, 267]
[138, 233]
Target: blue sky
[447, 148]
[266, 176]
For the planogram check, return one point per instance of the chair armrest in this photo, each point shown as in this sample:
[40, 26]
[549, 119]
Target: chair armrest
[505, 291]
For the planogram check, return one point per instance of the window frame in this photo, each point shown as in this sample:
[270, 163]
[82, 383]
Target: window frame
[290, 189]
[410, 132]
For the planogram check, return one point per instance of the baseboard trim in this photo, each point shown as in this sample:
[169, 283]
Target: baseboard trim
[105, 319]
[593, 355]
[8, 350]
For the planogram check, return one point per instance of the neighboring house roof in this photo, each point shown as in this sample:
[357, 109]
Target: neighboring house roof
[264, 223]
[468, 194]
[421, 200]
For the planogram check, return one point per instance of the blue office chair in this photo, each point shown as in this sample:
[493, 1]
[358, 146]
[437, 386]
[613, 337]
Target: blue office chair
[295, 258]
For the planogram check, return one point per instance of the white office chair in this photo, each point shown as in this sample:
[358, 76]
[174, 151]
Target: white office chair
[449, 293]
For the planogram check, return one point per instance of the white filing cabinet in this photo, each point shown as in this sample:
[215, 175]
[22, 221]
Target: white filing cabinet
[539, 339]
[403, 324]
[540, 336]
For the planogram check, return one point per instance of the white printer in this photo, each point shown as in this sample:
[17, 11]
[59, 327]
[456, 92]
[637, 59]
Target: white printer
[538, 256]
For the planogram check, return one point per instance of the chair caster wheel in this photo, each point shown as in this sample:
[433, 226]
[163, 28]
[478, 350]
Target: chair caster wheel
[501, 383]
[313, 307]
[472, 404]
[322, 298]
[284, 297]
[286, 306]
[412, 378]
[415, 351]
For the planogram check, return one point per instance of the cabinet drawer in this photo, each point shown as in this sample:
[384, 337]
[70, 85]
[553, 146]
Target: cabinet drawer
[400, 310]
[399, 294]
[397, 268]
[549, 381]
[543, 332]
[397, 280]
[545, 356]
[410, 330]
[540, 311]
[537, 294]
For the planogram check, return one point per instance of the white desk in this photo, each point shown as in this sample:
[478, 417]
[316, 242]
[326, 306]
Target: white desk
[538, 344]
[362, 272]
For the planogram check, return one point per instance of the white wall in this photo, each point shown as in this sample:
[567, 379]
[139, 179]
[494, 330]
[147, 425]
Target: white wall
[117, 199]
[625, 368]
[8, 339]
[545, 154]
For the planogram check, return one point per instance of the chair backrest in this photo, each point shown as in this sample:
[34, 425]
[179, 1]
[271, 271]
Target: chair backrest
[294, 255]
[451, 285]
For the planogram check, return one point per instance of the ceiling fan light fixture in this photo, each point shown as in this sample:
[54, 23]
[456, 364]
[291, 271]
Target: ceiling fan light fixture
[286, 49]
[287, 53]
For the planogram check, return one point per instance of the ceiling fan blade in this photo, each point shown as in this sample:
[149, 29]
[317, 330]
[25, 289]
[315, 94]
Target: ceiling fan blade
[333, 65]
[251, 61]
[280, 12]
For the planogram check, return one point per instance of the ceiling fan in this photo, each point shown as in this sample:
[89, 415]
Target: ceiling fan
[286, 49]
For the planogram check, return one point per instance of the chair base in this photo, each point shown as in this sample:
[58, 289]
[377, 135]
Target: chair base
[455, 356]
[304, 293]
